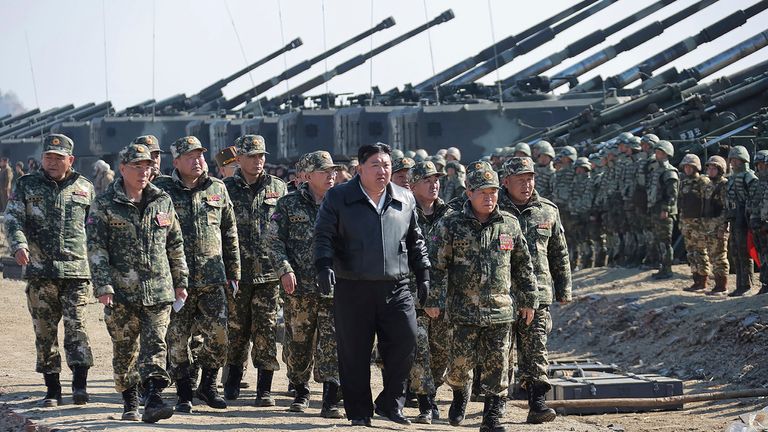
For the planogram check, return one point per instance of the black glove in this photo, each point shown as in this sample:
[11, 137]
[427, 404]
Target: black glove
[422, 286]
[326, 279]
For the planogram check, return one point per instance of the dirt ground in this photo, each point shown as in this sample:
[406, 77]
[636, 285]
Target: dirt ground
[618, 316]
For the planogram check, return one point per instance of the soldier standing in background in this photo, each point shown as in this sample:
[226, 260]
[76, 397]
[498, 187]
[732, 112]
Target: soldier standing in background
[207, 220]
[563, 193]
[634, 238]
[581, 208]
[454, 186]
[757, 220]
[739, 186]
[401, 168]
[540, 221]
[663, 186]
[136, 252]
[716, 222]
[433, 335]
[545, 171]
[482, 251]
[226, 161]
[103, 176]
[153, 144]
[648, 252]
[693, 189]
[522, 149]
[6, 180]
[595, 226]
[45, 225]
[253, 309]
[309, 321]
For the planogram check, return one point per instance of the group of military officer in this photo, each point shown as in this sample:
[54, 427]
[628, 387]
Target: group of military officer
[189, 257]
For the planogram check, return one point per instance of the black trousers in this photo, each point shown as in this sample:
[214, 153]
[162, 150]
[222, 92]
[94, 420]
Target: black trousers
[364, 309]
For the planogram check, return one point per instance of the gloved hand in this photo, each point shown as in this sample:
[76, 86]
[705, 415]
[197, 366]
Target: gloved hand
[422, 286]
[326, 279]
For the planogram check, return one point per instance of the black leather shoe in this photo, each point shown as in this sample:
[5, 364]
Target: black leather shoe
[365, 421]
[398, 417]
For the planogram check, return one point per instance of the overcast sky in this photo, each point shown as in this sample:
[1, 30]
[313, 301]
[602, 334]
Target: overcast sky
[195, 42]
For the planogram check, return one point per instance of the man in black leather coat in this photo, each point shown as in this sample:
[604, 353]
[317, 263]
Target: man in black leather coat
[367, 240]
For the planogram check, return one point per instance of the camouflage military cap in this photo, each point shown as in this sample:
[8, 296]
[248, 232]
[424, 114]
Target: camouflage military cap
[225, 157]
[185, 145]
[480, 175]
[423, 170]
[583, 162]
[402, 163]
[518, 165]
[719, 162]
[151, 141]
[396, 153]
[251, 145]
[691, 159]
[135, 153]
[569, 152]
[58, 144]
[650, 139]
[761, 156]
[739, 152]
[317, 161]
[524, 148]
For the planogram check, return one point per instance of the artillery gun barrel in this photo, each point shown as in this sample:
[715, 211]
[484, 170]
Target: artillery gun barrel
[712, 64]
[582, 45]
[530, 43]
[360, 59]
[303, 66]
[681, 48]
[11, 129]
[498, 47]
[630, 42]
[19, 117]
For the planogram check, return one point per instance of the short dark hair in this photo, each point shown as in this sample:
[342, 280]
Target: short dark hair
[368, 150]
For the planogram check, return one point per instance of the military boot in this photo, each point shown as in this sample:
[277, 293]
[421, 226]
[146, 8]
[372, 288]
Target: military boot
[131, 404]
[207, 391]
[425, 410]
[411, 400]
[721, 282]
[79, 385]
[699, 283]
[184, 393]
[232, 385]
[538, 411]
[477, 388]
[458, 407]
[435, 409]
[301, 400]
[331, 401]
[53, 393]
[155, 409]
[264, 389]
[492, 413]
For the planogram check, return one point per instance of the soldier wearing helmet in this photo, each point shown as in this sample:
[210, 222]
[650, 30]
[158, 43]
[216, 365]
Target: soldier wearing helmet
[662, 204]
[716, 223]
[645, 158]
[739, 187]
[758, 219]
[545, 170]
[631, 233]
[693, 189]
[580, 208]
[563, 192]
[522, 149]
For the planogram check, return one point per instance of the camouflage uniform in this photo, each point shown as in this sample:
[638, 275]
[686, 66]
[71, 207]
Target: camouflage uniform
[737, 200]
[580, 209]
[477, 269]
[309, 321]
[610, 215]
[47, 218]
[757, 220]
[692, 194]
[211, 248]
[253, 314]
[640, 203]
[136, 255]
[663, 190]
[453, 186]
[540, 222]
[595, 227]
[715, 223]
[634, 249]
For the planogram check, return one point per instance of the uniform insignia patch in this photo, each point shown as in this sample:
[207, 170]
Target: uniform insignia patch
[272, 195]
[545, 225]
[81, 193]
[506, 242]
[163, 219]
[214, 197]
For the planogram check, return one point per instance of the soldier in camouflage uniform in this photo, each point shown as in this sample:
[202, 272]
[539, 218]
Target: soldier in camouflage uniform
[481, 260]
[207, 220]
[454, 186]
[663, 187]
[693, 189]
[634, 241]
[545, 171]
[45, 227]
[562, 193]
[401, 168]
[645, 159]
[738, 197]
[595, 227]
[757, 218]
[309, 321]
[581, 209]
[611, 205]
[433, 335]
[540, 221]
[253, 311]
[522, 149]
[153, 144]
[136, 253]
[714, 218]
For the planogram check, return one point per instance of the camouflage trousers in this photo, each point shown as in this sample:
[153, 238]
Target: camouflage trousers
[570, 226]
[253, 318]
[695, 235]
[742, 262]
[531, 342]
[662, 236]
[203, 314]
[48, 301]
[612, 235]
[310, 339]
[487, 347]
[718, 231]
[432, 341]
[139, 351]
